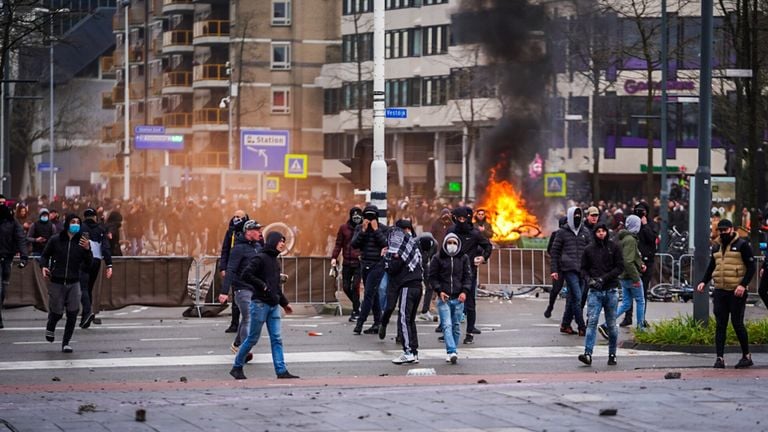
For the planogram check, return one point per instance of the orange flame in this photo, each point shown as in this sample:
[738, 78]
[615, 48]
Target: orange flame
[506, 210]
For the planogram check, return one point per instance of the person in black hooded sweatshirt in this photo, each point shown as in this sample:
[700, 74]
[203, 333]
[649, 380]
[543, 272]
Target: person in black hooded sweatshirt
[350, 267]
[262, 276]
[63, 257]
[239, 219]
[101, 250]
[12, 241]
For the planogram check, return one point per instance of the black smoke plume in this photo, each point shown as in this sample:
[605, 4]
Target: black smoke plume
[512, 34]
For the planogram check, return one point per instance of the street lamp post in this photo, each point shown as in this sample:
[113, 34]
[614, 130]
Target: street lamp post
[664, 210]
[127, 106]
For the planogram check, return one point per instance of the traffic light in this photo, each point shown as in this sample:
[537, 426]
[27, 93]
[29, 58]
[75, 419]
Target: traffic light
[360, 164]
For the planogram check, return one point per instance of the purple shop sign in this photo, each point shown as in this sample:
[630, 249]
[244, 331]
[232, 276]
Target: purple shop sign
[263, 150]
[632, 86]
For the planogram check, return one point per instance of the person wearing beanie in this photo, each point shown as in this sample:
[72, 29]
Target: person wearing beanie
[731, 268]
[631, 284]
[370, 238]
[63, 257]
[236, 223]
[40, 231]
[12, 241]
[262, 277]
[350, 267]
[96, 233]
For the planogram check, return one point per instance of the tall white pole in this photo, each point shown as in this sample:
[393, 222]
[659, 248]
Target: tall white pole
[127, 111]
[464, 161]
[166, 162]
[379, 165]
[52, 142]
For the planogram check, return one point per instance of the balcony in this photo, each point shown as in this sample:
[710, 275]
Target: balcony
[210, 75]
[110, 133]
[211, 116]
[211, 31]
[200, 160]
[107, 65]
[135, 17]
[177, 82]
[118, 94]
[177, 40]
[177, 120]
[177, 5]
[107, 102]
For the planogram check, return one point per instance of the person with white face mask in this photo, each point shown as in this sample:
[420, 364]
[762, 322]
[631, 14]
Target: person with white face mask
[450, 275]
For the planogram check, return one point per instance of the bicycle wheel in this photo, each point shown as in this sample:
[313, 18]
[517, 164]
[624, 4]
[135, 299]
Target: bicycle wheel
[523, 290]
[662, 291]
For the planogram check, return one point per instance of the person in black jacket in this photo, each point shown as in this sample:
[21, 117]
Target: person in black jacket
[247, 246]
[97, 234]
[567, 250]
[235, 226]
[557, 284]
[63, 257]
[403, 264]
[12, 241]
[40, 231]
[601, 265]
[262, 275]
[451, 276]
[350, 267]
[371, 238]
[479, 249]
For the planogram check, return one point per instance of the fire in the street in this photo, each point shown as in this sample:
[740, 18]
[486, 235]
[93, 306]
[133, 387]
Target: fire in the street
[506, 210]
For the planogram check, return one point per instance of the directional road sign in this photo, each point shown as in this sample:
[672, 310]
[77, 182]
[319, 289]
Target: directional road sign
[296, 166]
[158, 142]
[396, 113]
[46, 167]
[152, 130]
[554, 185]
[263, 150]
[272, 184]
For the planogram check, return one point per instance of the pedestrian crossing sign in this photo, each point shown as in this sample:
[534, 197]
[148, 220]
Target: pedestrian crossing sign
[296, 166]
[554, 185]
[272, 184]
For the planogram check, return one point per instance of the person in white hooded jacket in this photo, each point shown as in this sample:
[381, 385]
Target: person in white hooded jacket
[450, 275]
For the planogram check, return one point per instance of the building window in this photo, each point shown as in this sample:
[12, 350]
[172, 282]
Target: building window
[403, 92]
[331, 101]
[357, 95]
[435, 40]
[357, 47]
[434, 2]
[472, 82]
[352, 7]
[338, 146]
[281, 100]
[399, 4]
[416, 149]
[434, 90]
[399, 43]
[453, 146]
[281, 12]
[281, 55]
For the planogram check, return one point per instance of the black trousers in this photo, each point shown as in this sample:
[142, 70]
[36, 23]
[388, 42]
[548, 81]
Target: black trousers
[763, 288]
[557, 286]
[410, 296]
[350, 283]
[725, 304]
[88, 277]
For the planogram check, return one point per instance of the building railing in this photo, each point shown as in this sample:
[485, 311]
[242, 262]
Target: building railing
[177, 120]
[106, 101]
[211, 72]
[177, 37]
[177, 79]
[212, 28]
[202, 159]
[175, 2]
[211, 116]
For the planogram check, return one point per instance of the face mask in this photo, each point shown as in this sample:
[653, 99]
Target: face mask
[43, 218]
[357, 219]
[451, 248]
[576, 221]
[74, 228]
[725, 238]
[236, 220]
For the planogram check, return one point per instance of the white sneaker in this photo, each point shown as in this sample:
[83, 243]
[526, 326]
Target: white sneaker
[66, 349]
[448, 358]
[453, 358]
[426, 316]
[405, 358]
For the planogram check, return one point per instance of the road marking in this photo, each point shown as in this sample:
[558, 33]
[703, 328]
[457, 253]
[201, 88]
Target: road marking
[324, 357]
[168, 339]
[304, 325]
[37, 343]
[545, 325]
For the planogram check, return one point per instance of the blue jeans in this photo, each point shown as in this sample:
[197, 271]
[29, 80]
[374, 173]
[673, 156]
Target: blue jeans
[602, 300]
[242, 299]
[629, 293]
[261, 313]
[383, 284]
[372, 274]
[450, 319]
[573, 301]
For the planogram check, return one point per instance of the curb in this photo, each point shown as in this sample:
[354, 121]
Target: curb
[692, 349]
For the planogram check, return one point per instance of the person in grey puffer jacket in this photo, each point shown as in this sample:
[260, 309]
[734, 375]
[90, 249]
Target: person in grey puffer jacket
[567, 250]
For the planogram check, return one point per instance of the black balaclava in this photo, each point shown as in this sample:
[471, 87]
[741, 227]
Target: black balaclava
[5, 213]
[465, 212]
[355, 216]
[577, 217]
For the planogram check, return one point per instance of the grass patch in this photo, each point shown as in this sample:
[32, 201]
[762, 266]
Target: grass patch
[684, 330]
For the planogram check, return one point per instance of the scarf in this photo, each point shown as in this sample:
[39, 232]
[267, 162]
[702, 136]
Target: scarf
[404, 246]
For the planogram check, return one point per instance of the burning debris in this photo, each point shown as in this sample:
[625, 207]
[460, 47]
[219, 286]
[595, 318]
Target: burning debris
[506, 207]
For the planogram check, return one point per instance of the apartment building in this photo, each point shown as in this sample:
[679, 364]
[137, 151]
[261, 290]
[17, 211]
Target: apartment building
[209, 69]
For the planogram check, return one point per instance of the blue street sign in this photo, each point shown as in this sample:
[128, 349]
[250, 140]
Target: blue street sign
[46, 167]
[396, 113]
[152, 130]
[263, 150]
[159, 142]
[296, 166]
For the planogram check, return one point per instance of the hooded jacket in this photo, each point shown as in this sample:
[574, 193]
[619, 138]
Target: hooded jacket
[97, 234]
[603, 259]
[450, 273]
[12, 238]
[40, 229]
[239, 257]
[262, 274]
[569, 244]
[229, 240]
[633, 261]
[64, 256]
[370, 242]
[473, 242]
[344, 236]
[561, 223]
[401, 271]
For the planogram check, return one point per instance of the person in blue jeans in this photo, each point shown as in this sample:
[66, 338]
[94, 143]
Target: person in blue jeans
[601, 264]
[566, 253]
[631, 282]
[263, 277]
[450, 275]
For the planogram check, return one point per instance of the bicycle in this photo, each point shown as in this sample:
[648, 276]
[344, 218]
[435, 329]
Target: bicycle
[507, 292]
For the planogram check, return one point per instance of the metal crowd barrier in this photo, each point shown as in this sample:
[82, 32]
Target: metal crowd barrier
[514, 268]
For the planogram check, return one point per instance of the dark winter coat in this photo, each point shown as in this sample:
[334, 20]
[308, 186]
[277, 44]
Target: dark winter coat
[344, 245]
[370, 243]
[646, 243]
[42, 229]
[65, 257]
[262, 274]
[239, 257]
[450, 274]
[98, 234]
[229, 241]
[603, 259]
[568, 246]
[12, 239]
[472, 242]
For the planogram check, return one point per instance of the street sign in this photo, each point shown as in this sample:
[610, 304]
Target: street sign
[152, 130]
[555, 185]
[454, 186]
[158, 142]
[171, 176]
[296, 166]
[396, 113]
[263, 150]
[46, 167]
[272, 184]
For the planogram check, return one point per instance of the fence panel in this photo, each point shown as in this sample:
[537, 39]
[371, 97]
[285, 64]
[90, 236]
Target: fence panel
[516, 267]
